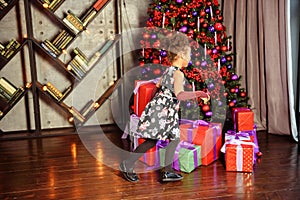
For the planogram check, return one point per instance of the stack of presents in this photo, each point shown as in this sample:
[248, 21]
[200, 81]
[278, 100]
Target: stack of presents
[201, 142]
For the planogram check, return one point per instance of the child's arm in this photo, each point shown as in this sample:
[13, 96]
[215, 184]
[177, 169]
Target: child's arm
[179, 91]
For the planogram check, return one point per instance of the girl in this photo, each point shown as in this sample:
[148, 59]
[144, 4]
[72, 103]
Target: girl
[159, 120]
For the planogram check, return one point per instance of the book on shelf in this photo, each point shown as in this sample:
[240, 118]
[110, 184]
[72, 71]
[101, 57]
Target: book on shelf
[65, 42]
[48, 50]
[71, 68]
[2, 47]
[99, 4]
[16, 95]
[73, 22]
[88, 16]
[59, 38]
[3, 94]
[78, 66]
[65, 93]
[7, 86]
[3, 3]
[55, 4]
[88, 109]
[10, 48]
[76, 114]
[99, 53]
[52, 90]
[78, 52]
[82, 63]
[45, 2]
[53, 48]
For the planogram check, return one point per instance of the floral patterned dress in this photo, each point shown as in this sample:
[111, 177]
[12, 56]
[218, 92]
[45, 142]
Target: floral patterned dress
[160, 118]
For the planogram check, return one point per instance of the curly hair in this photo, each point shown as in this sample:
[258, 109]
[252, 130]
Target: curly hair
[176, 44]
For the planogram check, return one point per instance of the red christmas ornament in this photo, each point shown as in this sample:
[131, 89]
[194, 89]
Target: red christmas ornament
[185, 22]
[224, 48]
[243, 94]
[202, 34]
[157, 71]
[217, 12]
[218, 48]
[205, 25]
[232, 90]
[155, 61]
[219, 26]
[209, 51]
[205, 108]
[202, 13]
[231, 104]
[146, 36]
[209, 3]
[197, 63]
[184, 15]
[229, 58]
[220, 18]
[192, 24]
[142, 63]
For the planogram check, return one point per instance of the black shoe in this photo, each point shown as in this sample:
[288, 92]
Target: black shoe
[129, 174]
[171, 176]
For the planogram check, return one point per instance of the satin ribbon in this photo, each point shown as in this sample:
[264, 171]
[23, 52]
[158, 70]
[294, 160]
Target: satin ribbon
[194, 123]
[188, 146]
[236, 142]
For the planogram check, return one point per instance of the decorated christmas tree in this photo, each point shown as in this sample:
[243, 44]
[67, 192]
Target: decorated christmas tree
[211, 66]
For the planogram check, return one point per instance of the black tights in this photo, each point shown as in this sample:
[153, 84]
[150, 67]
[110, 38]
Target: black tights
[148, 144]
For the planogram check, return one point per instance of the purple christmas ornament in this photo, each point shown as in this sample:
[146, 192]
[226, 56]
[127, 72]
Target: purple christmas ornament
[220, 103]
[188, 105]
[203, 63]
[215, 51]
[211, 29]
[234, 101]
[183, 29]
[179, 1]
[163, 53]
[223, 60]
[234, 77]
[194, 13]
[207, 10]
[153, 36]
[229, 66]
[208, 114]
[211, 86]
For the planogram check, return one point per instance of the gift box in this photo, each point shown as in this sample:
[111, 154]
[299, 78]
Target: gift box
[243, 120]
[142, 95]
[208, 136]
[239, 157]
[151, 157]
[235, 110]
[187, 157]
[253, 137]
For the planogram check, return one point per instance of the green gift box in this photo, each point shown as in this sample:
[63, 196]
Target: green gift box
[187, 157]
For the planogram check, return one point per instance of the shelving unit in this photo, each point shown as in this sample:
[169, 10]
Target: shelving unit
[61, 41]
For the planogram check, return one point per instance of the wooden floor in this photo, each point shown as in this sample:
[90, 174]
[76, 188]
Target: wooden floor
[62, 168]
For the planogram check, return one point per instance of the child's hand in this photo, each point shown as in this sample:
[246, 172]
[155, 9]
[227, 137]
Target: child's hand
[207, 98]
